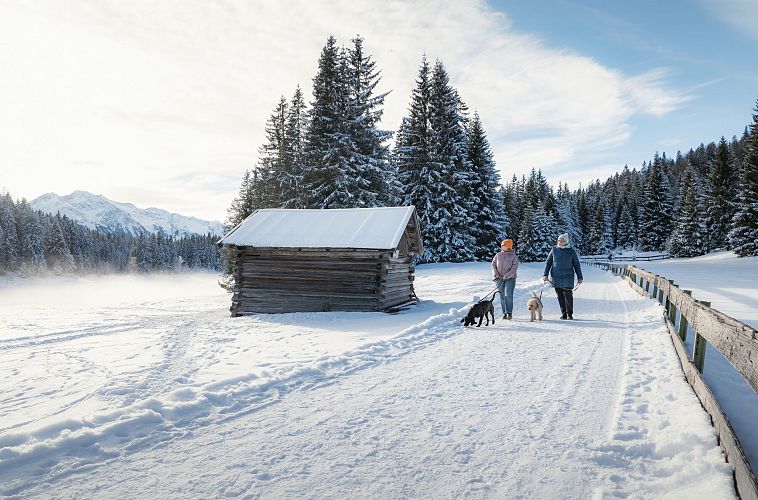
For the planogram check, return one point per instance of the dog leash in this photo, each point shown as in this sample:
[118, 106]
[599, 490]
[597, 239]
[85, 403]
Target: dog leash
[483, 298]
[553, 285]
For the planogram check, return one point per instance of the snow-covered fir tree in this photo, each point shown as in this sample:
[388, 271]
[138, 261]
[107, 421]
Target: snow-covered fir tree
[59, 258]
[294, 141]
[325, 182]
[9, 237]
[600, 240]
[273, 156]
[583, 219]
[364, 114]
[537, 235]
[433, 168]
[567, 216]
[688, 237]
[346, 159]
[455, 200]
[417, 173]
[744, 233]
[249, 199]
[513, 203]
[31, 242]
[721, 194]
[626, 233]
[656, 214]
[491, 223]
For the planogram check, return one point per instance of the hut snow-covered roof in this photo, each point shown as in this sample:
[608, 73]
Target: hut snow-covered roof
[370, 228]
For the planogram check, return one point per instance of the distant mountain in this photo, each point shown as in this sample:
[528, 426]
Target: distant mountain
[98, 212]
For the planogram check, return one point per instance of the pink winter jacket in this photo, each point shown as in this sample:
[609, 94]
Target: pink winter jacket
[504, 265]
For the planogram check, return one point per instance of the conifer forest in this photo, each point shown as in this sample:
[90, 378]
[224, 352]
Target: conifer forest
[333, 152]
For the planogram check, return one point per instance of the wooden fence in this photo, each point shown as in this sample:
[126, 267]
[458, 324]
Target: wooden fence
[624, 258]
[737, 341]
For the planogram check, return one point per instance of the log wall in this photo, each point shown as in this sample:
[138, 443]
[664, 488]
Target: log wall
[291, 280]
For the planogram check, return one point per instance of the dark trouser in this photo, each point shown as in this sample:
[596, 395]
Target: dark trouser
[566, 300]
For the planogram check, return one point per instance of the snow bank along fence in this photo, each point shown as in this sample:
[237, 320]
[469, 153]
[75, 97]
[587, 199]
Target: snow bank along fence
[737, 341]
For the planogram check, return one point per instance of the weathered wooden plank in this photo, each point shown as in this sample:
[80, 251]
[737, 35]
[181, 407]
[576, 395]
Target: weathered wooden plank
[634, 286]
[744, 479]
[737, 341]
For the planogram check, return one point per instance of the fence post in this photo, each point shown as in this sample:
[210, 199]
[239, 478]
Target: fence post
[655, 288]
[698, 355]
[668, 300]
[683, 321]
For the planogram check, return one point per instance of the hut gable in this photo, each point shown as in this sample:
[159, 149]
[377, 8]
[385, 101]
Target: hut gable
[319, 260]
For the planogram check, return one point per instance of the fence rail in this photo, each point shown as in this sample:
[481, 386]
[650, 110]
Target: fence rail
[737, 341]
[624, 258]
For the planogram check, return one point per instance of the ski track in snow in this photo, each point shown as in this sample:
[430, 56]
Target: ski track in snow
[595, 407]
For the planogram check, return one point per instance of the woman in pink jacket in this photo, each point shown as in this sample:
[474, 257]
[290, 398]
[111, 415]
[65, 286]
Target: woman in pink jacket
[504, 267]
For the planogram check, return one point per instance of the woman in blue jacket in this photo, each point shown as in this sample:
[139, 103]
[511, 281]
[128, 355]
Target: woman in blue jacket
[562, 263]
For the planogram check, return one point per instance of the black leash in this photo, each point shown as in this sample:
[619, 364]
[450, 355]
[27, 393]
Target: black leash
[485, 297]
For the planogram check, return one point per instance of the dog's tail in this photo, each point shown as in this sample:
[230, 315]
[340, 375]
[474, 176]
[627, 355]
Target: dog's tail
[463, 319]
[493, 295]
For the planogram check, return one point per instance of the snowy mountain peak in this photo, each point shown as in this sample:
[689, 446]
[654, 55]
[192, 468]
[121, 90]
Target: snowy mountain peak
[98, 212]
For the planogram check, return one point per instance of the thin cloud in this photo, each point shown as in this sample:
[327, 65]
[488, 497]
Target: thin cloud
[647, 93]
[126, 97]
[739, 14]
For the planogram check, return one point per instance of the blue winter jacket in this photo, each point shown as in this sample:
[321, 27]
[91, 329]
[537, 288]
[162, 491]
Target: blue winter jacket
[562, 263]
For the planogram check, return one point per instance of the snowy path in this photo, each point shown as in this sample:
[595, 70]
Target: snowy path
[596, 407]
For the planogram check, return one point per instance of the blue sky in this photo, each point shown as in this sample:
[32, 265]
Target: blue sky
[707, 50]
[164, 103]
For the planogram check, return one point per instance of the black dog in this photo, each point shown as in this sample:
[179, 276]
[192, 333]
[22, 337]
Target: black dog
[480, 310]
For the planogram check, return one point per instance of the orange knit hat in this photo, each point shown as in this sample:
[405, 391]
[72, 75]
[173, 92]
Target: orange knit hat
[508, 244]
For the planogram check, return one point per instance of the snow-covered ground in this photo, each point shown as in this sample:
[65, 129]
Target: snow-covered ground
[729, 283]
[134, 387]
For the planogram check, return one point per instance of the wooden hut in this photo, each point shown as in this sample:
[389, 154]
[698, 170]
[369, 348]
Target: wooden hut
[356, 259]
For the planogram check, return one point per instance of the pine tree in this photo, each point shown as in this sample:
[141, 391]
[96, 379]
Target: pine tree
[655, 219]
[688, 237]
[567, 217]
[248, 200]
[511, 207]
[325, 182]
[294, 153]
[455, 194]
[417, 174]
[430, 158]
[364, 112]
[273, 157]
[491, 222]
[58, 256]
[527, 247]
[720, 195]
[31, 240]
[600, 234]
[626, 235]
[9, 237]
[744, 233]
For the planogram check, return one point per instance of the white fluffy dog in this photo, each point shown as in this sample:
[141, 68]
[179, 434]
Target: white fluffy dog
[534, 304]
